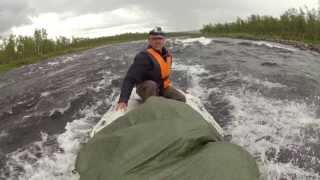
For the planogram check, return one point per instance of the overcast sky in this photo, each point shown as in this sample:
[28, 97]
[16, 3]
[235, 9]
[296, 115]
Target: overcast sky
[92, 18]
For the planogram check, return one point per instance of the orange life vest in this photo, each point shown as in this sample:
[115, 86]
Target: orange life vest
[165, 66]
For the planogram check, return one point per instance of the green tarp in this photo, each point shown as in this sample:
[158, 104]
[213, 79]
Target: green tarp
[163, 140]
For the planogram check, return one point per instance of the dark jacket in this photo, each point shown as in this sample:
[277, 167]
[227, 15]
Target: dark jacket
[143, 68]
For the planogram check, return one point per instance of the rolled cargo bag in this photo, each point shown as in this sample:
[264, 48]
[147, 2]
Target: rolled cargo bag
[163, 139]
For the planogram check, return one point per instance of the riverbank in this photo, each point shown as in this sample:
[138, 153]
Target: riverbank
[300, 44]
[89, 44]
[303, 45]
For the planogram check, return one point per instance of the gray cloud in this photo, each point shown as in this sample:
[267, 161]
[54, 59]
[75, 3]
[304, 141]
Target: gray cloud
[175, 14]
[179, 14]
[13, 13]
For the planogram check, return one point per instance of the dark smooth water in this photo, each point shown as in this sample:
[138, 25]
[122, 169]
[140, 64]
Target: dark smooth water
[264, 95]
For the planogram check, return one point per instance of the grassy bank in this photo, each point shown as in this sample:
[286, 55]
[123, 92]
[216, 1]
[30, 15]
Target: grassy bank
[299, 27]
[31, 60]
[11, 57]
[273, 38]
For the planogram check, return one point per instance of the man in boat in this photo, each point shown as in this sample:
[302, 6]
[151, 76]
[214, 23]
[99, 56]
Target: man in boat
[150, 72]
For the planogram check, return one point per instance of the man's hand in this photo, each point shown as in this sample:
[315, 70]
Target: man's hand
[121, 106]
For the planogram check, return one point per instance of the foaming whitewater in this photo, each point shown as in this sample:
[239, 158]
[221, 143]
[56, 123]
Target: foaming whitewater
[56, 165]
[202, 40]
[58, 160]
[263, 125]
[195, 93]
[264, 83]
[282, 134]
[54, 157]
[273, 45]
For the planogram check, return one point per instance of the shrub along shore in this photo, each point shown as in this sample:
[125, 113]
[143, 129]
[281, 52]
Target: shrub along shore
[17, 51]
[297, 27]
[302, 44]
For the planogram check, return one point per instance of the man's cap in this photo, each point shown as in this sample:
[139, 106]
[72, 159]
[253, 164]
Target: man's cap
[157, 31]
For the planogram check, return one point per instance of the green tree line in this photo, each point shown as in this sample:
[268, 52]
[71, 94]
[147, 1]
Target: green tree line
[294, 24]
[20, 49]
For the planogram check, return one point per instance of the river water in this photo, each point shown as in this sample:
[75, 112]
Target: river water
[264, 95]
